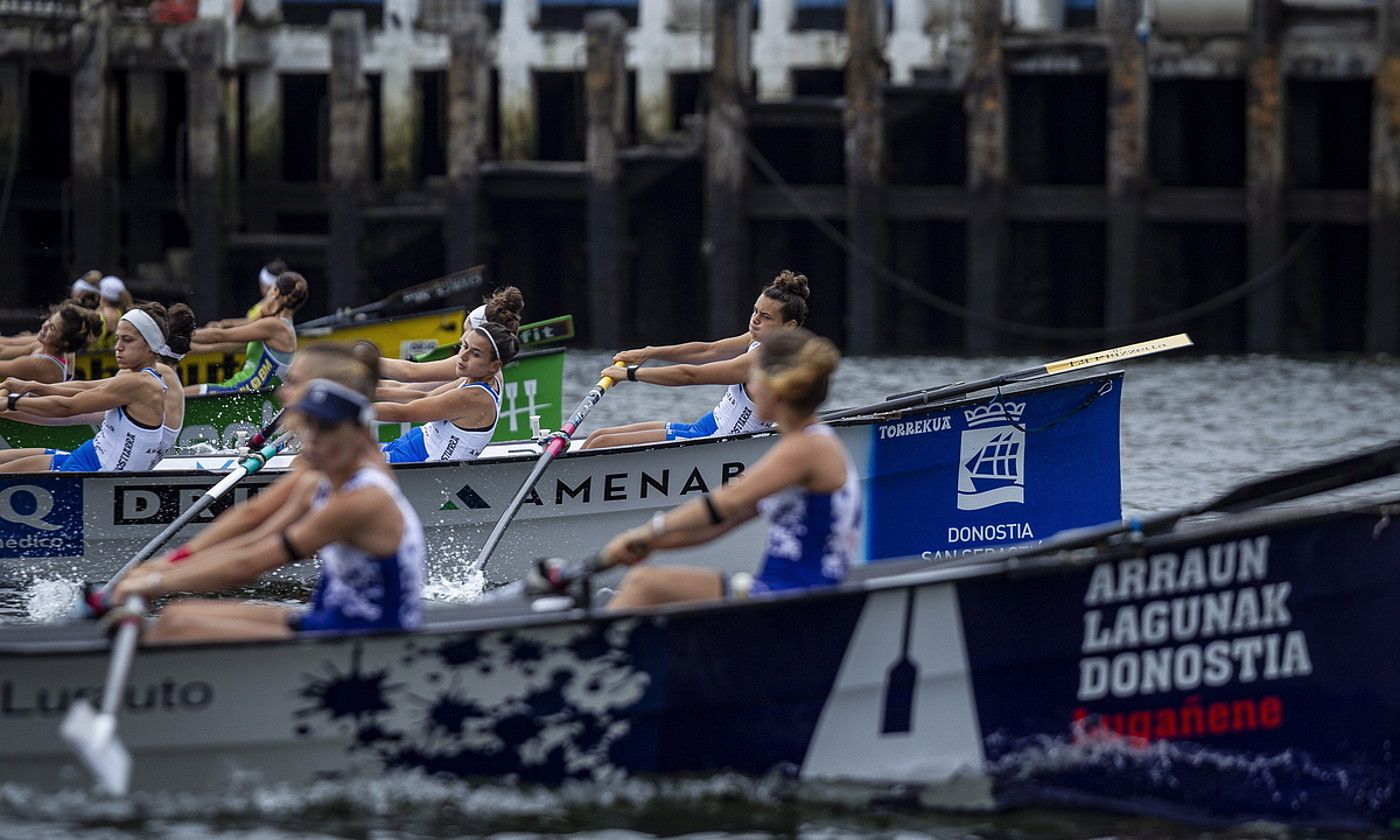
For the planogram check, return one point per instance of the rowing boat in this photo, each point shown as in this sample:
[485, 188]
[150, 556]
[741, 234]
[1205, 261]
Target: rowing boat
[949, 479]
[534, 386]
[1203, 674]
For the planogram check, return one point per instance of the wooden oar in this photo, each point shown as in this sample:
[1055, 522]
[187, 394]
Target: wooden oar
[558, 442]
[908, 399]
[1281, 487]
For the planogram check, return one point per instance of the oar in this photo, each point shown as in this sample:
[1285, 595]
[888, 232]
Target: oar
[895, 402]
[546, 576]
[248, 466]
[414, 297]
[1281, 487]
[559, 441]
[93, 733]
[267, 431]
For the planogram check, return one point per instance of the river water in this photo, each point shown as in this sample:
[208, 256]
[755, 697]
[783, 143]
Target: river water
[1192, 426]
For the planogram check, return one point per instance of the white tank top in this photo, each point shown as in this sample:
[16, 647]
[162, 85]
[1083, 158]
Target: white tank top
[736, 414]
[361, 587]
[58, 360]
[446, 441]
[122, 445]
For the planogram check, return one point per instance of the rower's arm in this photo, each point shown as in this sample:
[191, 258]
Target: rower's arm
[25, 367]
[263, 329]
[245, 518]
[691, 352]
[729, 372]
[118, 391]
[90, 419]
[406, 371]
[472, 404]
[15, 351]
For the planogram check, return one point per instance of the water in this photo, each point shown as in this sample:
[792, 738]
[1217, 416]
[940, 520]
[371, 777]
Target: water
[1191, 428]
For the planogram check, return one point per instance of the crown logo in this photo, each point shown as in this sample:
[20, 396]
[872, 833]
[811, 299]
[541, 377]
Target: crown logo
[994, 412]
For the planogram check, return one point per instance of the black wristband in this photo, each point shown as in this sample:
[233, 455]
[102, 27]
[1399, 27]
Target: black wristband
[715, 517]
[13, 398]
[632, 373]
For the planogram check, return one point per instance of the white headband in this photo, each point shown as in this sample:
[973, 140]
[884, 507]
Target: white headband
[494, 348]
[150, 331]
[81, 285]
[266, 278]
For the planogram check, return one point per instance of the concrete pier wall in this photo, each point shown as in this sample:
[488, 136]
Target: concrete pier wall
[951, 174]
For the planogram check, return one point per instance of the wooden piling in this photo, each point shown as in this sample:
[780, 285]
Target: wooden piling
[865, 149]
[518, 110]
[263, 94]
[205, 138]
[1128, 92]
[726, 243]
[1265, 172]
[92, 101]
[146, 155]
[401, 107]
[654, 102]
[1383, 286]
[349, 132]
[11, 112]
[985, 105]
[605, 82]
[468, 119]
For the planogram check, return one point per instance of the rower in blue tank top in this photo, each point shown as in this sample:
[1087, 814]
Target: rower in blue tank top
[341, 505]
[459, 417]
[781, 306]
[806, 486]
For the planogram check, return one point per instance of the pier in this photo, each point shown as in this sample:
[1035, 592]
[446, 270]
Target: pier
[953, 175]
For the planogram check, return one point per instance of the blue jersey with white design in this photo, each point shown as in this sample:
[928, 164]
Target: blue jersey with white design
[811, 536]
[357, 591]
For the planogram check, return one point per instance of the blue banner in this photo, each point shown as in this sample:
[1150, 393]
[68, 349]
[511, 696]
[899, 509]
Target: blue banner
[41, 517]
[1241, 674]
[1009, 469]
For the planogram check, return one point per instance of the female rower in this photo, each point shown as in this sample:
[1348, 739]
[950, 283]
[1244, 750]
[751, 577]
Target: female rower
[179, 322]
[130, 437]
[805, 485]
[68, 329]
[82, 293]
[346, 508]
[782, 305]
[271, 341]
[502, 307]
[459, 417]
[113, 302]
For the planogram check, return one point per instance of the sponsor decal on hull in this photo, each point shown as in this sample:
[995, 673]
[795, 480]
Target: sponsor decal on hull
[41, 517]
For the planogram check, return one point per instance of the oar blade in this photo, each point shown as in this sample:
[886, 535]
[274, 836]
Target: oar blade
[93, 737]
[1318, 478]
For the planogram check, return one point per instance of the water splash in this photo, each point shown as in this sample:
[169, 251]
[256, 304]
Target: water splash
[51, 600]
[462, 588]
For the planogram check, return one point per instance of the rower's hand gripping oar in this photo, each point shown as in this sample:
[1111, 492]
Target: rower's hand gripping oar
[909, 399]
[1281, 487]
[558, 442]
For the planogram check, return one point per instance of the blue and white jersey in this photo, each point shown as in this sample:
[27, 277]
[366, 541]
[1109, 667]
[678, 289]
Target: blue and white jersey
[446, 441]
[811, 536]
[736, 414]
[359, 592]
[123, 445]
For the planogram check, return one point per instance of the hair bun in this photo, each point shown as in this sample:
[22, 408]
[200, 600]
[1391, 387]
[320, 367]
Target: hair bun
[504, 307]
[792, 282]
[179, 323]
[367, 354]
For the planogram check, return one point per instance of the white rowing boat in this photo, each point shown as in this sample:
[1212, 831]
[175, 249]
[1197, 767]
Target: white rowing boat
[982, 684]
[948, 479]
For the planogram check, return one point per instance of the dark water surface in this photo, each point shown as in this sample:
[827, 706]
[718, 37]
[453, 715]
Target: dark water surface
[1192, 427]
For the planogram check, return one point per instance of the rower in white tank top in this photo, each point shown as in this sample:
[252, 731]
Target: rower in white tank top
[446, 441]
[123, 445]
[736, 414]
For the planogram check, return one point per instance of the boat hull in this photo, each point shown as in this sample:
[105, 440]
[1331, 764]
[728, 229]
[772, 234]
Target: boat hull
[1059, 460]
[918, 679]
